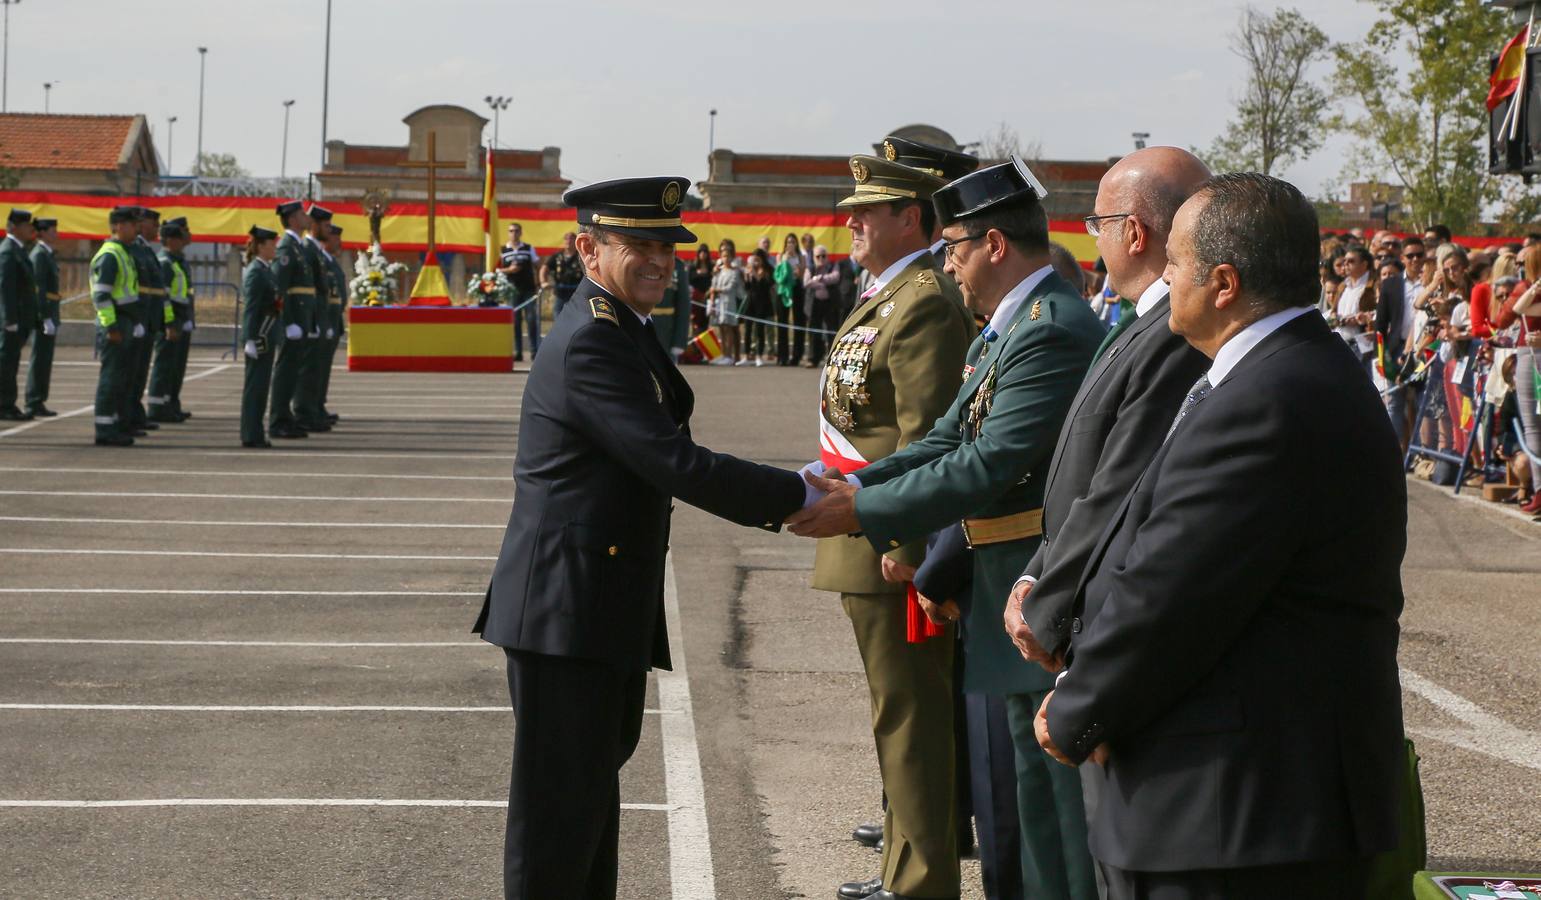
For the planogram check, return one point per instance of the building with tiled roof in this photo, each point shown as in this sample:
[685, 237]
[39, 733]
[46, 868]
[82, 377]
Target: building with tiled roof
[79, 153]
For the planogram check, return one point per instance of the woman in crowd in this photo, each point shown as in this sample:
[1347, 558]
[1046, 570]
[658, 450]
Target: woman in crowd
[724, 300]
[1482, 275]
[1520, 469]
[700, 283]
[760, 294]
[260, 313]
[1526, 308]
[789, 306]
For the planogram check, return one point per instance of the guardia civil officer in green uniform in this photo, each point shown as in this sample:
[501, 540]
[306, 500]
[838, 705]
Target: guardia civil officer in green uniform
[985, 462]
[336, 309]
[576, 596]
[318, 339]
[157, 314]
[671, 320]
[18, 306]
[171, 347]
[45, 271]
[892, 370]
[296, 285]
[259, 331]
[115, 294]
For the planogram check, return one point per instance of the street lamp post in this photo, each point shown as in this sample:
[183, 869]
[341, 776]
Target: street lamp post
[498, 104]
[203, 56]
[171, 122]
[283, 165]
[1140, 137]
[711, 134]
[48, 87]
[326, 80]
[5, 75]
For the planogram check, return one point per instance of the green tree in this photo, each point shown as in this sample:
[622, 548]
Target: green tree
[219, 165]
[1279, 117]
[1427, 125]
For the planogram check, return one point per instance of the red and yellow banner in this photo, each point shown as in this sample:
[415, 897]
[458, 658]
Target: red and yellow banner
[1505, 79]
[430, 339]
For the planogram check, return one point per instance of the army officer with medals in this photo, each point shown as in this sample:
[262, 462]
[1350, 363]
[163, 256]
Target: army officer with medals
[985, 463]
[892, 370]
[576, 598]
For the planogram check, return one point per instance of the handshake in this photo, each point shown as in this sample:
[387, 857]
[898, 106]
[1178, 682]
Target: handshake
[829, 504]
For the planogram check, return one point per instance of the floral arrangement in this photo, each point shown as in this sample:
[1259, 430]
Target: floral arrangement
[375, 284]
[491, 287]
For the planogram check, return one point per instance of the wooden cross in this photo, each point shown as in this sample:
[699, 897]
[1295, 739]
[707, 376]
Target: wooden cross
[433, 165]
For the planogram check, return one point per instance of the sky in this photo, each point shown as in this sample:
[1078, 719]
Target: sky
[624, 88]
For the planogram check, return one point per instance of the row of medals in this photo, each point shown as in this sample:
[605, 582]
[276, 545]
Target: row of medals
[848, 362]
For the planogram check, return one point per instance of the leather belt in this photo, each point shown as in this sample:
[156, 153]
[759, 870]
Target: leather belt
[301, 290]
[1015, 527]
[152, 292]
[663, 310]
[52, 296]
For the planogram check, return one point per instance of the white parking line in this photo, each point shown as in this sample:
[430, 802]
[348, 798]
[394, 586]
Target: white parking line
[85, 409]
[284, 801]
[183, 643]
[216, 592]
[1485, 733]
[83, 551]
[167, 495]
[690, 845]
[248, 473]
[242, 523]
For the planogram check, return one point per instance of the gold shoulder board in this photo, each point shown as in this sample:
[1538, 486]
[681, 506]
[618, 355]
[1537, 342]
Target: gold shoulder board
[603, 310]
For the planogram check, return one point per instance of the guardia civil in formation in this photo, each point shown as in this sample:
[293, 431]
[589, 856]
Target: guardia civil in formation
[18, 306]
[119, 322]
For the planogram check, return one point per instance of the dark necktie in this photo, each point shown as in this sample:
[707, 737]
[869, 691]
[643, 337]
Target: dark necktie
[1199, 391]
[1126, 317]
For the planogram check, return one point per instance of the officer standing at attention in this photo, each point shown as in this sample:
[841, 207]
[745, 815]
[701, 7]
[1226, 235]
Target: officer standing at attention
[576, 597]
[986, 463]
[259, 332]
[296, 287]
[157, 314]
[18, 307]
[892, 370]
[171, 347]
[45, 271]
[307, 394]
[337, 292]
[115, 294]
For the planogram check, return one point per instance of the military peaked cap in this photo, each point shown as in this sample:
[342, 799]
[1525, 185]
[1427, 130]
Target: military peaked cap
[948, 165]
[884, 181]
[647, 208]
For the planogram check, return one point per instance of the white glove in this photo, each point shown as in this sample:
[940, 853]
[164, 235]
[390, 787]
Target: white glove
[12, 327]
[188, 326]
[811, 494]
[49, 328]
[293, 332]
[138, 331]
[316, 333]
[330, 334]
[251, 349]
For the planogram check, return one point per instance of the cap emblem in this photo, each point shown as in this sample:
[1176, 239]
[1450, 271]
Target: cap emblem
[889, 153]
[671, 196]
[859, 170]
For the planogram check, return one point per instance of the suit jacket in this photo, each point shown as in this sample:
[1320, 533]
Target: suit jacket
[1031, 370]
[1238, 660]
[604, 443]
[908, 376]
[1115, 425]
[948, 570]
[1389, 313]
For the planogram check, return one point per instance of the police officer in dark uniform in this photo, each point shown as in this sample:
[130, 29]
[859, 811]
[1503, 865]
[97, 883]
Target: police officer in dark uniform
[18, 306]
[296, 287]
[156, 311]
[259, 332]
[336, 300]
[170, 365]
[115, 294]
[45, 269]
[307, 395]
[576, 598]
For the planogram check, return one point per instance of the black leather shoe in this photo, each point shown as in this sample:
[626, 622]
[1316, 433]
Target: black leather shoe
[136, 431]
[316, 426]
[257, 444]
[15, 415]
[116, 440]
[40, 411]
[183, 416]
[147, 426]
[859, 890]
[868, 835]
[286, 432]
[334, 418]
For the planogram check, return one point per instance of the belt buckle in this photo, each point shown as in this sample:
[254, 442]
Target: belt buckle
[968, 540]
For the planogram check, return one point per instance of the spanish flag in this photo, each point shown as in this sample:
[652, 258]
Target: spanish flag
[490, 216]
[707, 345]
[1505, 79]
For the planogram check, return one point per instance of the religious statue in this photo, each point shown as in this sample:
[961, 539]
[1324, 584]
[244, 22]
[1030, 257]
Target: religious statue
[375, 200]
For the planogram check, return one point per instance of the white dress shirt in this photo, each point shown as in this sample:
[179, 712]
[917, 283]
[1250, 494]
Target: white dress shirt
[1240, 344]
[1015, 296]
[1150, 297]
[892, 272]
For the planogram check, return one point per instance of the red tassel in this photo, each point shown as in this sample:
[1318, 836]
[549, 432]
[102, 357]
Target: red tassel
[917, 625]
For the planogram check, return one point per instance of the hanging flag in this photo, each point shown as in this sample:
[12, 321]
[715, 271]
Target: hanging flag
[1505, 79]
[1468, 415]
[490, 215]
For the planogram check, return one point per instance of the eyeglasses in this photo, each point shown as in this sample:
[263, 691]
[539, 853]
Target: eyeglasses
[1413, 254]
[948, 245]
[1094, 223]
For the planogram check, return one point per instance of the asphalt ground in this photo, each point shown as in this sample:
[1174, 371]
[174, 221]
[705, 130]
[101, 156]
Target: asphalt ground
[246, 673]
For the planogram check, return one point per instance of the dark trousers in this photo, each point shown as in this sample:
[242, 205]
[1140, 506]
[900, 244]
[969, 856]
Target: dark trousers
[1055, 859]
[40, 370]
[144, 349]
[254, 396]
[307, 391]
[11, 343]
[1319, 880]
[326, 371]
[576, 722]
[527, 319]
[993, 779]
[184, 348]
[112, 382]
[783, 316]
[163, 371]
[824, 318]
[799, 321]
[286, 377]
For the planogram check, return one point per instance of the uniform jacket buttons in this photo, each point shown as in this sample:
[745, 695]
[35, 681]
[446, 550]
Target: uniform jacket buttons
[1075, 624]
[893, 543]
[613, 550]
